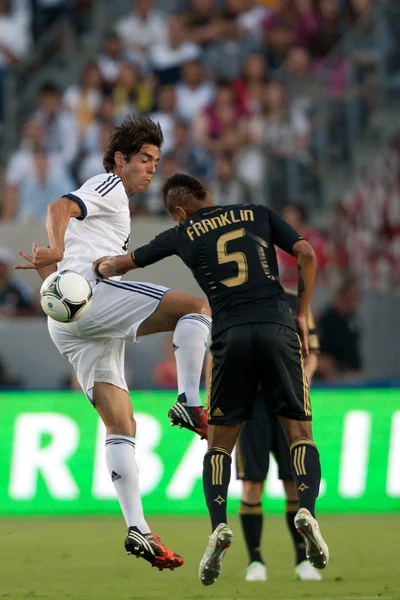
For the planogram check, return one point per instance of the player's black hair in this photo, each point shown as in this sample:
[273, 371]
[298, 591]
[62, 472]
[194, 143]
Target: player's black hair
[130, 136]
[181, 190]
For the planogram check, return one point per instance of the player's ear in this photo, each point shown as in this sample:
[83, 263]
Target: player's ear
[119, 159]
[179, 214]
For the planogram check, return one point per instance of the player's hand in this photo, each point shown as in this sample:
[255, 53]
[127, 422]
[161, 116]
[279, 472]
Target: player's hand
[302, 330]
[40, 258]
[104, 267]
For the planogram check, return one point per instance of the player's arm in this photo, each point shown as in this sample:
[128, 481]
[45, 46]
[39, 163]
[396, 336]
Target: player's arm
[58, 215]
[311, 362]
[160, 247]
[289, 240]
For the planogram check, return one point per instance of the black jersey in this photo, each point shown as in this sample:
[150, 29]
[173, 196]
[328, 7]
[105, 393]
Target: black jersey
[230, 251]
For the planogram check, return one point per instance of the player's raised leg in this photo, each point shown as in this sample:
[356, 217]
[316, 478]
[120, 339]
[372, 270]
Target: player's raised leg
[115, 409]
[190, 319]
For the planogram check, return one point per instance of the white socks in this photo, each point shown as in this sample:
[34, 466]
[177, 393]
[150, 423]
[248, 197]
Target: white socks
[121, 464]
[190, 344]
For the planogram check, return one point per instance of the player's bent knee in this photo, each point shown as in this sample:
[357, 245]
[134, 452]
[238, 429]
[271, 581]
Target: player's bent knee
[252, 491]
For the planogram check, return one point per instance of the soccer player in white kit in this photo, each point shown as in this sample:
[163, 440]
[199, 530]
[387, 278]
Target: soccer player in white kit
[94, 221]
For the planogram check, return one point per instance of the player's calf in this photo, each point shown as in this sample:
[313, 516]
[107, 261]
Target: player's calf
[150, 547]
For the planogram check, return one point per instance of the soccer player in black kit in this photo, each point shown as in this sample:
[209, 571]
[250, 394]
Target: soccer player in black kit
[255, 340]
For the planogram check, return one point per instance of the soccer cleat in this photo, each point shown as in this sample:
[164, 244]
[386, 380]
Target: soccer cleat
[306, 572]
[193, 418]
[317, 551]
[211, 563]
[256, 571]
[150, 547]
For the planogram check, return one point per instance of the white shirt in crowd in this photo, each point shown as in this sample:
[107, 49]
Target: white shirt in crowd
[163, 56]
[167, 124]
[15, 36]
[73, 98]
[104, 227]
[134, 32]
[191, 101]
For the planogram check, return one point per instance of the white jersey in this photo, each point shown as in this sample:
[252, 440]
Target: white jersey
[104, 227]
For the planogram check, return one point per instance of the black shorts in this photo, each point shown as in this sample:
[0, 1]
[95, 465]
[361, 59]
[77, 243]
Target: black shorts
[258, 438]
[245, 356]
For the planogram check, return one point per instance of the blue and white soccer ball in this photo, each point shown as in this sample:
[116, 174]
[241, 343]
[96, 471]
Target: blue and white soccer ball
[66, 296]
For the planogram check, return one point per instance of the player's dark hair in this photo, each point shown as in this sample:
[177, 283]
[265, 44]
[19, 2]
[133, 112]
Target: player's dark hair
[182, 190]
[130, 136]
[49, 88]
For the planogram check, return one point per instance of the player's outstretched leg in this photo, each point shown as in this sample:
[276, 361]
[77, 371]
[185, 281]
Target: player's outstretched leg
[150, 547]
[190, 319]
[190, 343]
[306, 469]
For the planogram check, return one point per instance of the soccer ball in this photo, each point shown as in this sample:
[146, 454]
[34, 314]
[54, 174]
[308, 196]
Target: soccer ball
[65, 296]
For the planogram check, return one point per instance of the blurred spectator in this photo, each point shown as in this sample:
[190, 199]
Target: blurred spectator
[295, 74]
[203, 22]
[250, 21]
[141, 31]
[250, 85]
[340, 334]
[46, 13]
[225, 57]
[166, 114]
[45, 182]
[16, 298]
[283, 132]
[223, 112]
[110, 60]
[92, 164]
[167, 56]
[194, 92]
[164, 373]
[105, 116]
[227, 189]
[61, 127]
[7, 380]
[277, 42]
[296, 216]
[14, 42]
[131, 94]
[296, 15]
[182, 149]
[329, 30]
[83, 101]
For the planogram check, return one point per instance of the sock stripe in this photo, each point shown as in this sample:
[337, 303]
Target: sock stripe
[302, 442]
[199, 318]
[291, 506]
[223, 450]
[117, 442]
[250, 509]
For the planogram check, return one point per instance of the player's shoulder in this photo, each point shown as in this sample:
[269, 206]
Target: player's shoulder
[104, 184]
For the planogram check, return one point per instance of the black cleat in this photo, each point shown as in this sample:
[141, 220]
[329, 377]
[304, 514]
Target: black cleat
[193, 418]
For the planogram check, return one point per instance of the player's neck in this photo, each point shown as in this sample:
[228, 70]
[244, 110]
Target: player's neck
[128, 190]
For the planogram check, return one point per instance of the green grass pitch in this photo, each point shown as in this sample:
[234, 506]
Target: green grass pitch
[84, 559]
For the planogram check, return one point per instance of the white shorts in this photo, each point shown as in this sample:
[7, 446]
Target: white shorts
[95, 345]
